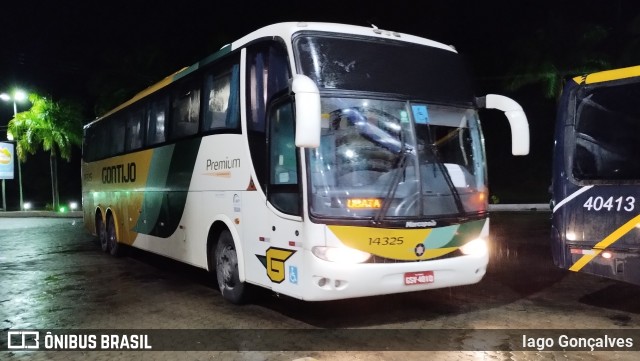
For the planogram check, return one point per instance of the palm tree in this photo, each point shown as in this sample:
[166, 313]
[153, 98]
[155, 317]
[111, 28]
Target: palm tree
[53, 126]
[557, 51]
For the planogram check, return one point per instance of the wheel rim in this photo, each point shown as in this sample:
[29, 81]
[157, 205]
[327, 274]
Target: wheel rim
[102, 235]
[227, 266]
[111, 234]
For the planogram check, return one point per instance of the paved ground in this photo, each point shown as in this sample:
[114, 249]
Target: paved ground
[52, 276]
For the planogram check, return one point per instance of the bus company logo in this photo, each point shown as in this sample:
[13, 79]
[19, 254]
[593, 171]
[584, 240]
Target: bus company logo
[273, 261]
[119, 173]
[23, 340]
[431, 223]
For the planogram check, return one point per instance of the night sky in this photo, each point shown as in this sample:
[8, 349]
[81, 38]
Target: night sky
[98, 53]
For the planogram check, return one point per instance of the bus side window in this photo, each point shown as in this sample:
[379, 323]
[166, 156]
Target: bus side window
[90, 149]
[135, 129]
[99, 141]
[267, 75]
[283, 190]
[217, 90]
[185, 110]
[221, 95]
[156, 121]
[282, 148]
[116, 135]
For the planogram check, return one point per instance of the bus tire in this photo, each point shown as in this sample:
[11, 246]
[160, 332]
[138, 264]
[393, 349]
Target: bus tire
[112, 238]
[101, 231]
[227, 274]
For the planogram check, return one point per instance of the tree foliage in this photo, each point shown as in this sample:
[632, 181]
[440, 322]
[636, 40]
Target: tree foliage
[564, 45]
[555, 52]
[53, 126]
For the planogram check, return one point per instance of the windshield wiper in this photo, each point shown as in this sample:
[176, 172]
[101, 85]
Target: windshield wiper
[447, 177]
[401, 166]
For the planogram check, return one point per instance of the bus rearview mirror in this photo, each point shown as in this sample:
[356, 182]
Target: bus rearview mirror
[517, 120]
[308, 114]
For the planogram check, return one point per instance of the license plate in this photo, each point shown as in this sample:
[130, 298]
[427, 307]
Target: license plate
[418, 278]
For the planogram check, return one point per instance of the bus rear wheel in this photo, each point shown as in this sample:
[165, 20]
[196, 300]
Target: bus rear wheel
[228, 276]
[101, 231]
[112, 238]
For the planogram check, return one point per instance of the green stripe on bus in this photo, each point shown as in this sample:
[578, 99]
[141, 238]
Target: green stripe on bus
[467, 232]
[168, 182]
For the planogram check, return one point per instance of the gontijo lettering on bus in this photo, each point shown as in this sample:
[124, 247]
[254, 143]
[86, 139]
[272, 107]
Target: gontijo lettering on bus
[120, 173]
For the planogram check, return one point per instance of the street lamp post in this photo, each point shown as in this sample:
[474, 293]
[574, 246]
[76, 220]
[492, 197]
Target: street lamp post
[19, 96]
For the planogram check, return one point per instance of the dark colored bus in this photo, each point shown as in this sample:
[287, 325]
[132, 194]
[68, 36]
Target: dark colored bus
[596, 176]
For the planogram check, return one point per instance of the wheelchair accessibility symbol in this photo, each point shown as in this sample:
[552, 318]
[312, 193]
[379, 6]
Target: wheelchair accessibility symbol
[293, 274]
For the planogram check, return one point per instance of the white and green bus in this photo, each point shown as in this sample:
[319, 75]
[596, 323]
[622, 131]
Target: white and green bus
[320, 161]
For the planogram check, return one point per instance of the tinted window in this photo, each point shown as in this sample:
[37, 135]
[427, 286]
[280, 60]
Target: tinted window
[267, 74]
[115, 136]
[607, 128]
[157, 121]
[135, 129]
[185, 110]
[221, 95]
[377, 65]
[283, 188]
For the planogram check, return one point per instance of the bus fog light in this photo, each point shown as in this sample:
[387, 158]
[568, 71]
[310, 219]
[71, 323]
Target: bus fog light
[340, 255]
[477, 247]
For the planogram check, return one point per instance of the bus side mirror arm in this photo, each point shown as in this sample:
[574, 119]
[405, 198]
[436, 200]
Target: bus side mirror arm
[308, 113]
[517, 120]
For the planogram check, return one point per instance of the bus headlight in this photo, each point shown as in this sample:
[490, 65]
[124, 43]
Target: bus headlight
[340, 254]
[477, 247]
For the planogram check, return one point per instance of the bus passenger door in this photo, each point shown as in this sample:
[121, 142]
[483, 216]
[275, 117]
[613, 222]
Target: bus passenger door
[284, 198]
[272, 242]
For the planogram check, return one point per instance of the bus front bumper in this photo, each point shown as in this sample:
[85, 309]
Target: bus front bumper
[330, 281]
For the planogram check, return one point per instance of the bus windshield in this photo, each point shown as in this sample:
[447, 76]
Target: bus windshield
[606, 131]
[373, 65]
[370, 150]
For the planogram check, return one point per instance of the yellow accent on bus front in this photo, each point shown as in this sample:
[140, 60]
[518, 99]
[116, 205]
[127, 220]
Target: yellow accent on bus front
[609, 240]
[397, 244]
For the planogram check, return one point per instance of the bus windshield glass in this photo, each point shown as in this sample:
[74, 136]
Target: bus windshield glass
[381, 159]
[606, 133]
[373, 65]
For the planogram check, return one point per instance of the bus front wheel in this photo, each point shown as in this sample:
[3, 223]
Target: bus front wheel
[227, 274]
